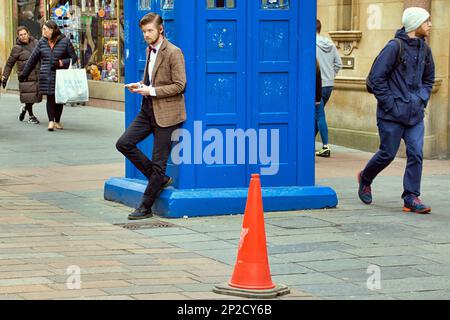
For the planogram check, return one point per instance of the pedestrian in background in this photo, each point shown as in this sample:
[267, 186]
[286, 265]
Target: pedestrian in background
[162, 111]
[402, 78]
[330, 63]
[54, 51]
[29, 89]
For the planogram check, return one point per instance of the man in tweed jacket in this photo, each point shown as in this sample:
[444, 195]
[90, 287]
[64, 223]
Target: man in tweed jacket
[162, 111]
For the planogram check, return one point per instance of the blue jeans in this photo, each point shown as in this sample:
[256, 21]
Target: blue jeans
[391, 133]
[321, 120]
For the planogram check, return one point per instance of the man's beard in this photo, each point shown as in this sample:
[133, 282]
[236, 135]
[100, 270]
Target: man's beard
[421, 33]
[155, 42]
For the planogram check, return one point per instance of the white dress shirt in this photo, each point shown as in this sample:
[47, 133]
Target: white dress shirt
[151, 65]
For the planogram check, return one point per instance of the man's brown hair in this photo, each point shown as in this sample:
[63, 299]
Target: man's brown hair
[20, 28]
[318, 26]
[151, 18]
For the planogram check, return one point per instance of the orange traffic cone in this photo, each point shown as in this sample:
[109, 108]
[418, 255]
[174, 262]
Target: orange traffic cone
[251, 277]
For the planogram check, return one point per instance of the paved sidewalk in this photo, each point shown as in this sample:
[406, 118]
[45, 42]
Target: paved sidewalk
[53, 216]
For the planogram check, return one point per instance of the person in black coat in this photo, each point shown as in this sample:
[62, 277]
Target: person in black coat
[29, 90]
[54, 51]
[318, 84]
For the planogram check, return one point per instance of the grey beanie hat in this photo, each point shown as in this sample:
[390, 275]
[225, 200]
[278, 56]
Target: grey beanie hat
[414, 17]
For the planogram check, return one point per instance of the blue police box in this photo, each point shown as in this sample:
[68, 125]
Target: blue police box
[250, 105]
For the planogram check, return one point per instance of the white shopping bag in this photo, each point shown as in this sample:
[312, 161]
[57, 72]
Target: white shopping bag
[71, 86]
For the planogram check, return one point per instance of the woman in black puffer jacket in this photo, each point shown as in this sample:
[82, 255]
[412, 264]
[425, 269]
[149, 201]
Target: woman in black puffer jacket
[29, 90]
[54, 51]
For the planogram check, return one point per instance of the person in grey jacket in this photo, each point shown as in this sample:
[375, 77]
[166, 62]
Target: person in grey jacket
[330, 63]
[29, 90]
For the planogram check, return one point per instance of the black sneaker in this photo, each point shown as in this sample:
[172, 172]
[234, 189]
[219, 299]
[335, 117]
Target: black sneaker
[364, 192]
[22, 113]
[324, 152]
[141, 213]
[33, 120]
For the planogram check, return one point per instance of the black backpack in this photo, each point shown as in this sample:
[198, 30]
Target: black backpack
[399, 60]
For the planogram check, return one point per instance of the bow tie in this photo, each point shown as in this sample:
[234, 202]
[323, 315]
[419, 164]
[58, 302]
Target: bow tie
[152, 49]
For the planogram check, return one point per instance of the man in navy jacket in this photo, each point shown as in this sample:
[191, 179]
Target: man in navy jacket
[402, 79]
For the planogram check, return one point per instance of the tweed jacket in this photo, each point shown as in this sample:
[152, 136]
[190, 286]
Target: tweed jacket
[169, 81]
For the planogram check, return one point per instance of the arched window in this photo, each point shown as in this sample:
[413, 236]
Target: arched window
[348, 15]
[347, 33]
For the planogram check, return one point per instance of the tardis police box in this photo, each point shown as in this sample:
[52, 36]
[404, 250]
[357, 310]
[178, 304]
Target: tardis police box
[250, 105]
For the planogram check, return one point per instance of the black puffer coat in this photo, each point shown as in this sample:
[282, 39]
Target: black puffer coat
[63, 50]
[29, 90]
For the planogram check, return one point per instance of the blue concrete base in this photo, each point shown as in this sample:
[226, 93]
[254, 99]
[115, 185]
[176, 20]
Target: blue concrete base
[174, 203]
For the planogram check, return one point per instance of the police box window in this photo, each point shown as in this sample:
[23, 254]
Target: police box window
[167, 4]
[275, 4]
[221, 4]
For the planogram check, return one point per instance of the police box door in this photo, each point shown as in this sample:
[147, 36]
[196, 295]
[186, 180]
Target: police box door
[247, 79]
[135, 56]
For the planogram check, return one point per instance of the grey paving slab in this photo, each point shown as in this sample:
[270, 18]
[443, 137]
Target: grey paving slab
[415, 284]
[359, 297]
[303, 231]
[224, 235]
[142, 290]
[375, 242]
[195, 287]
[197, 237]
[52, 196]
[295, 239]
[336, 264]
[330, 255]
[386, 251]
[339, 289]
[388, 273]
[393, 261]
[165, 232]
[288, 268]
[306, 247]
[305, 279]
[200, 246]
[436, 269]
[11, 297]
[423, 295]
[299, 223]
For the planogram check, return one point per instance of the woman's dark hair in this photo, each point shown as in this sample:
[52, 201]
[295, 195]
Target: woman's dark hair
[52, 25]
[318, 26]
[20, 28]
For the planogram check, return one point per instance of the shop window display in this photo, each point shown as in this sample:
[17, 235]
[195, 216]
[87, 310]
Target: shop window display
[96, 30]
[30, 14]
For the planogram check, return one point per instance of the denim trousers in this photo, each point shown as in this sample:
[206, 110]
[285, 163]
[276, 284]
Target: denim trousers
[321, 120]
[391, 134]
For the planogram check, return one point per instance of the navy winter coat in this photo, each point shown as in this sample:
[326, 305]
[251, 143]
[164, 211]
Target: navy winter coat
[63, 50]
[403, 90]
